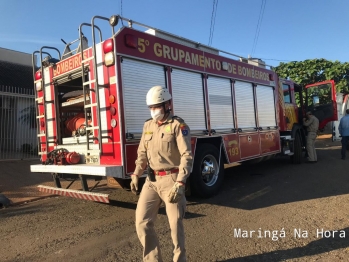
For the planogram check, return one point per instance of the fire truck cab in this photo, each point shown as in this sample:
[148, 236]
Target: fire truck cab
[91, 106]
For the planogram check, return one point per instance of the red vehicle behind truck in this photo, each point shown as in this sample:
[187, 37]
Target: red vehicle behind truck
[90, 105]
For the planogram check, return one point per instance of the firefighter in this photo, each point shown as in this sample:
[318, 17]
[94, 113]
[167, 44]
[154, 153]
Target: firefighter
[165, 147]
[312, 124]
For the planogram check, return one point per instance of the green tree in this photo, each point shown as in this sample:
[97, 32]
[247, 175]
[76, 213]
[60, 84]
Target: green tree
[311, 71]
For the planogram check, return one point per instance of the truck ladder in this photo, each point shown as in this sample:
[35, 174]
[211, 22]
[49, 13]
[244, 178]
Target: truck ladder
[87, 89]
[42, 100]
[87, 86]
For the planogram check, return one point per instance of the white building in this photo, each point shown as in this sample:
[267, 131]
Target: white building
[18, 137]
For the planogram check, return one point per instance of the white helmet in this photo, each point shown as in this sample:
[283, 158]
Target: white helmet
[158, 95]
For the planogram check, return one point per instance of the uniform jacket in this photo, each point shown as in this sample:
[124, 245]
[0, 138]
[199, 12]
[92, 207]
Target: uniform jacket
[312, 124]
[167, 146]
[343, 127]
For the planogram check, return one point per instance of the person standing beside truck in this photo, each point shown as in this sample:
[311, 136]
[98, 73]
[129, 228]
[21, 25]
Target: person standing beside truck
[165, 147]
[312, 124]
[343, 129]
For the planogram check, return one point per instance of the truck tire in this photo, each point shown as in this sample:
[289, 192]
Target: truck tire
[297, 150]
[208, 172]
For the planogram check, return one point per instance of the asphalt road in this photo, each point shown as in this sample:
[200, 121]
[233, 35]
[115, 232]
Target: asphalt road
[272, 211]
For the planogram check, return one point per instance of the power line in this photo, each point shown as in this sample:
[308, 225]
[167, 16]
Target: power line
[280, 60]
[213, 20]
[261, 11]
[209, 36]
[260, 18]
[122, 21]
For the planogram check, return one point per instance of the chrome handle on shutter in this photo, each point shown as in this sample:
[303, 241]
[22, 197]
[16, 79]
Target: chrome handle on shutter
[130, 136]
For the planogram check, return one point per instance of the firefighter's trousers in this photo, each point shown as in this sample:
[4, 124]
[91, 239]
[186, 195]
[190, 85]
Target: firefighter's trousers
[153, 193]
[311, 146]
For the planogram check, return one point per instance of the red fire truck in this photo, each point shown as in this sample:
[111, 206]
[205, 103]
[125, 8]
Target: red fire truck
[90, 105]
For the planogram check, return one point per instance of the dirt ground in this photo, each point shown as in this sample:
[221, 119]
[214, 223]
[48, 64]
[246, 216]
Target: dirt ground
[302, 207]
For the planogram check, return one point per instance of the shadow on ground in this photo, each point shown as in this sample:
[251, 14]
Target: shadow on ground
[277, 181]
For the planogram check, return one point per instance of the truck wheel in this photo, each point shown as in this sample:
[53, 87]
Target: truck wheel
[208, 175]
[297, 150]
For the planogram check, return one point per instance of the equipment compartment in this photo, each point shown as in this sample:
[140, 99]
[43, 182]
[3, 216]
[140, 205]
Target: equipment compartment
[70, 111]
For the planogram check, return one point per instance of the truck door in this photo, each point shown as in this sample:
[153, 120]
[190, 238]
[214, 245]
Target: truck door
[342, 106]
[320, 99]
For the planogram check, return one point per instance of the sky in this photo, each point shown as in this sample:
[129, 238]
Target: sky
[289, 30]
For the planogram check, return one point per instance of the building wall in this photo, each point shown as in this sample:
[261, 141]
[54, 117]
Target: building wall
[18, 135]
[15, 57]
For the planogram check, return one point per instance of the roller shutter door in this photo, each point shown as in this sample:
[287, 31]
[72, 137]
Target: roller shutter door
[220, 102]
[244, 100]
[266, 106]
[137, 78]
[188, 98]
